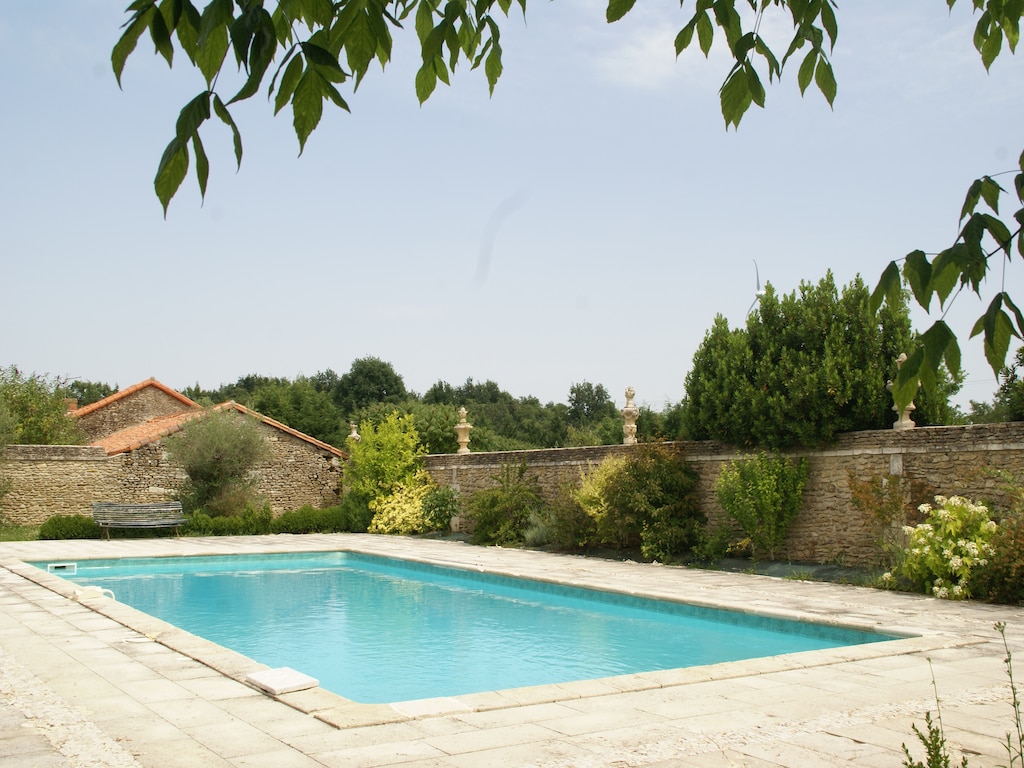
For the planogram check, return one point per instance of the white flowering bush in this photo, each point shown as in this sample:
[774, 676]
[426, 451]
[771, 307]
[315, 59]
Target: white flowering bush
[943, 552]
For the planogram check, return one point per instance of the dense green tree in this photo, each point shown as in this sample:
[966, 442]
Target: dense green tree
[304, 50]
[807, 367]
[88, 392]
[369, 380]
[301, 406]
[35, 411]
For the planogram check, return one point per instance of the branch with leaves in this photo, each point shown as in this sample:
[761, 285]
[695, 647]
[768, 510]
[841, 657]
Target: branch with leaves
[308, 48]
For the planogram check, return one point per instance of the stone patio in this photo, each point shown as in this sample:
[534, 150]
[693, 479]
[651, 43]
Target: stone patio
[92, 682]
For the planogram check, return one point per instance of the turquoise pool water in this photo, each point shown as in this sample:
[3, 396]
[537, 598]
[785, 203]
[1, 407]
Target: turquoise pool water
[377, 630]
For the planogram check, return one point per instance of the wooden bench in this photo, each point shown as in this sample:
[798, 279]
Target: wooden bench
[165, 514]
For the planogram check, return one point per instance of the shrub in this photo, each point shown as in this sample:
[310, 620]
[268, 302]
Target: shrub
[252, 521]
[764, 494]
[401, 512]
[564, 523]
[501, 515]
[646, 500]
[218, 452]
[440, 505]
[308, 519]
[1001, 579]
[943, 551]
[70, 527]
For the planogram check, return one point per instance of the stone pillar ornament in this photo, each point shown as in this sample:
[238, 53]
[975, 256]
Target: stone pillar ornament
[903, 422]
[629, 414]
[353, 436]
[462, 431]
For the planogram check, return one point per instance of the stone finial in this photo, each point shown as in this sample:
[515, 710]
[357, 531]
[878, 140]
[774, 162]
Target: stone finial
[353, 435]
[462, 431]
[904, 421]
[629, 415]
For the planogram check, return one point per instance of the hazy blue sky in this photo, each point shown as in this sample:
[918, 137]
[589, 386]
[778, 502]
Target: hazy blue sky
[586, 223]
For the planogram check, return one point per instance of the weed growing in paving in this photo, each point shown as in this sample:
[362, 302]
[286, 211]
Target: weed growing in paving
[934, 741]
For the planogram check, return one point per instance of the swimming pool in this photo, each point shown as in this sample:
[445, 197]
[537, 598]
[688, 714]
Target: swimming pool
[375, 630]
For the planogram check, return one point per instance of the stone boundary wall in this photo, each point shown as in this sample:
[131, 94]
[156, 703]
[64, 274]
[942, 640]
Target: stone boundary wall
[65, 480]
[946, 460]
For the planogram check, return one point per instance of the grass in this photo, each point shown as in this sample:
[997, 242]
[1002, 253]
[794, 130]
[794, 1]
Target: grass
[19, 532]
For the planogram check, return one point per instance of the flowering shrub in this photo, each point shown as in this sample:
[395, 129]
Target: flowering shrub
[943, 551]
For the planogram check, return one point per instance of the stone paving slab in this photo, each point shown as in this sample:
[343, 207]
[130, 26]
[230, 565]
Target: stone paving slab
[92, 682]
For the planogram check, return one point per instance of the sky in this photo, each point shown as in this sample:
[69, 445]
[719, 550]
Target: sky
[586, 222]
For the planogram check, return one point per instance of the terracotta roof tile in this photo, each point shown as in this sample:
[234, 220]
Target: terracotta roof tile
[86, 409]
[135, 437]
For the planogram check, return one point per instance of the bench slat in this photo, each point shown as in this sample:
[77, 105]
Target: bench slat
[166, 514]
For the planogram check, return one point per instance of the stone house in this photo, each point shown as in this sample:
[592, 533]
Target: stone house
[125, 460]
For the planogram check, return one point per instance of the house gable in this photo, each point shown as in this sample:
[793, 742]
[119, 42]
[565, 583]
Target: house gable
[131, 407]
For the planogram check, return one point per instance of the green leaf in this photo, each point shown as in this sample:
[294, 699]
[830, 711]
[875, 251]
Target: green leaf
[426, 81]
[171, 172]
[907, 380]
[992, 46]
[307, 107]
[828, 21]
[888, 289]
[127, 42]
[946, 271]
[918, 272]
[492, 67]
[806, 71]
[289, 80]
[990, 191]
[971, 199]
[705, 33]
[618, 8]
[735, 97]
[225, 117]
[202, 164]
[998, 329]
[685, 36]
[754, 85]
[161, 37]
[826, 80]
[210, 53]
[192, 115]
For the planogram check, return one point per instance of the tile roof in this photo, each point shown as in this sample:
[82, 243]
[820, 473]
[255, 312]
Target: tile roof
[87, 409]
[135, 437]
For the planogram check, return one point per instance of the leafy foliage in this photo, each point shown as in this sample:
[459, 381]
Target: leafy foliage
[647, 500]
[253, 519]
[306, 49]
[369, 380]
[942, 552]
[892, 501]
[70, 527]
[386, 456]
[403, 511]
[764, 494]
[502, 514]
[1001, 579]
[88, 392]
[218, 452]
[808, 366]
[33, 410]
[309, 519]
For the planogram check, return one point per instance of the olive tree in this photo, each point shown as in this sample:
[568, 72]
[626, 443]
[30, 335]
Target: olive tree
[219, 452]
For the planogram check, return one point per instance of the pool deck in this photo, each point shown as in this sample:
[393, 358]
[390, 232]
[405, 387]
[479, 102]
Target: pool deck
[90, 682]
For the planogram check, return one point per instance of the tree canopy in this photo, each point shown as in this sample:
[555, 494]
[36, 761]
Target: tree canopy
[807, 367]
